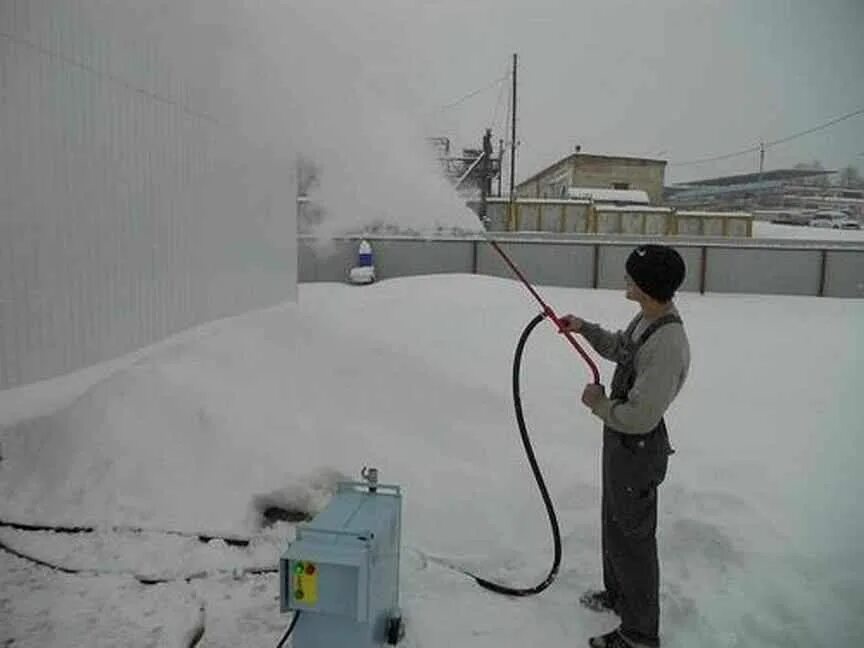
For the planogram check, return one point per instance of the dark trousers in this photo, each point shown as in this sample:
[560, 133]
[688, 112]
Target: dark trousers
[633, 467]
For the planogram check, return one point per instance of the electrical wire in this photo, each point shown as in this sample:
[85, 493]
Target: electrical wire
[494, 122]
[717, 158]
[112, 78]
[290, 629]
[474, 93]
[772, 143]
[837, 120]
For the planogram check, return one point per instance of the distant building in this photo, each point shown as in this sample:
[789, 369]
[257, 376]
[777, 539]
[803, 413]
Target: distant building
[792, 190]
[582, 171]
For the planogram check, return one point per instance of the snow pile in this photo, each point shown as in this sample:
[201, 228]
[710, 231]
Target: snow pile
[774, 230]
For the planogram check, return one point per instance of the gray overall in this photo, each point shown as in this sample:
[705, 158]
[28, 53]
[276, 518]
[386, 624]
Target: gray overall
[634, 465]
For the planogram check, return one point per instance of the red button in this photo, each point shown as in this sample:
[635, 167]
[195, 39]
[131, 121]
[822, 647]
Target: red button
[310, 569]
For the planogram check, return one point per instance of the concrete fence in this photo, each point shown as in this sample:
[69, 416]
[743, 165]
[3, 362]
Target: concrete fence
[714, 266]
[579, 216]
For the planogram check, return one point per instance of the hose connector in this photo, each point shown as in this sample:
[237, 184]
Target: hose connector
[370, 476]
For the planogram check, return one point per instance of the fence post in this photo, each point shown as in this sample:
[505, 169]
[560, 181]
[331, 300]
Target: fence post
[474, 261]
[823, 272]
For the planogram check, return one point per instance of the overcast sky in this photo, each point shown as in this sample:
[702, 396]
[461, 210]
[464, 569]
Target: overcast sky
[677, 79]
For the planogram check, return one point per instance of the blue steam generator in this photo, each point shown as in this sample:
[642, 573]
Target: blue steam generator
[341, 574]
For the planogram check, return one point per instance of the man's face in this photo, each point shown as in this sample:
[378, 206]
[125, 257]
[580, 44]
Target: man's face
[633, 292]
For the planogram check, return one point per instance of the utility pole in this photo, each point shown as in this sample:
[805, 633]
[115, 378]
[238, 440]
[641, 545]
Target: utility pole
[501, 164]
[485, 174]
[761, 159]
[513, 135]
[761, 169]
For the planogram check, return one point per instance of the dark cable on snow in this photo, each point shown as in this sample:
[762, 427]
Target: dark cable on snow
[289, 630]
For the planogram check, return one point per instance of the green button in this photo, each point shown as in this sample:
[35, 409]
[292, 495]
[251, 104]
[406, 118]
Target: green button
[298, 595]
[298, 568]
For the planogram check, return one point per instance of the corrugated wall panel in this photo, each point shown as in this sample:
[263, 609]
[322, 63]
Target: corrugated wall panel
[122, 217]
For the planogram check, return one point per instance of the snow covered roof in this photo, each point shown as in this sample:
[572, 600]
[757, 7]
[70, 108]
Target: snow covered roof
[782, 175]
[714, 214]
[542, 201]
[635, 196]
[634, 208]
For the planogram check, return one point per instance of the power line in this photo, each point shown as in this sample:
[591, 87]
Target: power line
[112, 78]
[817, 128]
[468, 96]
[501, 90]
[717, 158]
[782, 140]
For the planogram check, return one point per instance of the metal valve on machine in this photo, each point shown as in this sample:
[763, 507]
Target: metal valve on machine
[342, 570]
[370, 475]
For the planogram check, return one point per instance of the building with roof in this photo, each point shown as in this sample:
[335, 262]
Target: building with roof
[576, 175]
[779, 189]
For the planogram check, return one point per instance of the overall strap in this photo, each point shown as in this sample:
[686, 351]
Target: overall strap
[669, 318]
[625, 371]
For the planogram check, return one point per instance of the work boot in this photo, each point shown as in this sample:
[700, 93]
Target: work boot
[615, 639]
[599, 601]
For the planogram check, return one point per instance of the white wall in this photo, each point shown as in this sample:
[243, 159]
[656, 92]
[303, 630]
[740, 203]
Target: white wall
[132, 206]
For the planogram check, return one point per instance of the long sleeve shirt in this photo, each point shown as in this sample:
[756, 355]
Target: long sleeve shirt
[661, 364]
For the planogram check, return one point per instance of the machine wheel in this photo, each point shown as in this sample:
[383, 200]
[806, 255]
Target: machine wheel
[395, 630]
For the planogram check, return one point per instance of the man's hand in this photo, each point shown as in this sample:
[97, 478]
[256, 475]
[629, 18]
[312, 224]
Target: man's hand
[592, 394]
[571, 323]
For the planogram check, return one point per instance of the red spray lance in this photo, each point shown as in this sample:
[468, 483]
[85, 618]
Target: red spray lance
[499, 588]
[547, 310]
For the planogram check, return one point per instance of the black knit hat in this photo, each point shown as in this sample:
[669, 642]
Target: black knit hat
[657, 269]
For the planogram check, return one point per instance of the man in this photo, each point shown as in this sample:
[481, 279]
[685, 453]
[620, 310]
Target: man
[652, 357]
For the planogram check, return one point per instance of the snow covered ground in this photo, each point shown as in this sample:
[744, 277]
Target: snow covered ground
[170, 456]
[773, 230]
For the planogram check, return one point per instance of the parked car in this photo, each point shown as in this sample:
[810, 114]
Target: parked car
[788, 218]
[834, 220]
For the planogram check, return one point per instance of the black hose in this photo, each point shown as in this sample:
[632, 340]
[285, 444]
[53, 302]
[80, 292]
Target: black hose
[547, 501]
[289, 630]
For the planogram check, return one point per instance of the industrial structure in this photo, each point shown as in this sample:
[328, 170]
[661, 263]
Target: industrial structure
[473, 171]
[603, 194]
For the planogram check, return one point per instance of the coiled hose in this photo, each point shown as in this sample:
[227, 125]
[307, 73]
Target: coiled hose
[535, 468]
